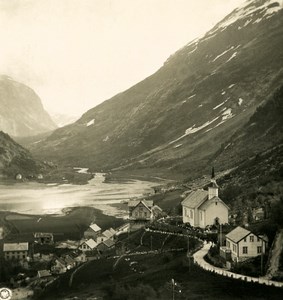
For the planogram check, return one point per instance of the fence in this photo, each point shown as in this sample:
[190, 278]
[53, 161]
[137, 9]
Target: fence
[198, 260]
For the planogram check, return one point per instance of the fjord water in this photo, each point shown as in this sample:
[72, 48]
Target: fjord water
[39, 198]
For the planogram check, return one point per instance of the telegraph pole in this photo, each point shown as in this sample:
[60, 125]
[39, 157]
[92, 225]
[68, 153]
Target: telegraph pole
[173, 289]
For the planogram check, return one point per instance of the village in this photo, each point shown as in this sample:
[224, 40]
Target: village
[205, 223]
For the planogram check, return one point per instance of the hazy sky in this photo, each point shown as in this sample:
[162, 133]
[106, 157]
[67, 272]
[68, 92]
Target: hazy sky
[78, 53]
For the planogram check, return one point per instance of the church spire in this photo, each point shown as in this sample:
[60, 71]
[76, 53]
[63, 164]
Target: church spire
[212, 173]
[213, 187]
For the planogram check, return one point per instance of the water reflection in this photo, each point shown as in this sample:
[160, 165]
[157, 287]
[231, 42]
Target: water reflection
[37, 198]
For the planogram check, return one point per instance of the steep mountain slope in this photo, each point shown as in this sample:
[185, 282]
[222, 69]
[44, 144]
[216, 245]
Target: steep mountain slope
[21, 111]
[180, 117]
[15, 159]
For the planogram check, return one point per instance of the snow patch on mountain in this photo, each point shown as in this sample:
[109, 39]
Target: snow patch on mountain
[106, 139]
[240, 101]
[227, 114]
[194, 129]
[231, 85]
[91, 122]
[246, 9]
[223, 53]
[177, 146]
[192, 96]
[232, 56]
[215, 107]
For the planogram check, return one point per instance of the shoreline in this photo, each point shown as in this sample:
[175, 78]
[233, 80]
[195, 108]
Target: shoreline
[71, 225]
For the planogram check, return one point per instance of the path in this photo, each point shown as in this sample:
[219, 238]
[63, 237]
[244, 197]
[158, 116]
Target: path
[199, 260]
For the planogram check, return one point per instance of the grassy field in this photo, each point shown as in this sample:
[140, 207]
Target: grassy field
[155, 272]
[150, 276]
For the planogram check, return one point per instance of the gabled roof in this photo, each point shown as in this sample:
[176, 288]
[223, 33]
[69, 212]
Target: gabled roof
[195, 199]
[207, 203]
[108, 243]
[69, 260]
[95, 227]
[108, 234]
[15, 247]
[237, 234]
[134, 203]
[43, 273]
[156, 207]
[43, 234]
[90, 243]
[113, 231]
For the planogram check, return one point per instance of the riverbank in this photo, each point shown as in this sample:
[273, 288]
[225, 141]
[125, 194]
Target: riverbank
[70, 225]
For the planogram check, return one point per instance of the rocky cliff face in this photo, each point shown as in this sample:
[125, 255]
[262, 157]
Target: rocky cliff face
[15, 159]
[182, 117]
[21, 111]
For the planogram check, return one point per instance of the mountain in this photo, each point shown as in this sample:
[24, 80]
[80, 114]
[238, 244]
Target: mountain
[183, 117]
[21, 110]
[15, 159]
[62, 120]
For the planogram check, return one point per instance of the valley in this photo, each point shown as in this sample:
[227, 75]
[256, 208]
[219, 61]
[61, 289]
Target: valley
[114, 204]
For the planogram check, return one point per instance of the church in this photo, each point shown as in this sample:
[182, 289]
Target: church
[203, 207]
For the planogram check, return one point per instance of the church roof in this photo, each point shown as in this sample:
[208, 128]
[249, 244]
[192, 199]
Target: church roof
[195, 199]
[207, 203]
[213, 184]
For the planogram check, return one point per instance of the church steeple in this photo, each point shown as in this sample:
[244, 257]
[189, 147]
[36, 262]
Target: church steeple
[213, 187]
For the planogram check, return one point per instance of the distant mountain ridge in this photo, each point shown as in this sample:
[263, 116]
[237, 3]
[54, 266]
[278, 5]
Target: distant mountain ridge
[183, 116]
[21, 110]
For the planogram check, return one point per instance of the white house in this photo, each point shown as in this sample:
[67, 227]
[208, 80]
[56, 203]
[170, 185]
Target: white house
[88, 245]
[244, 244]
[202, 208]
[92, 232]
[17, 251]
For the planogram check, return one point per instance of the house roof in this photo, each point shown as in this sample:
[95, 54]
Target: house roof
[156, 207]
[195, 199]
[91, 243]
[15, 247]
[134, 203]
[69, 260]
[113, 231]
[207, 203]
[237, 234]
[95, 227]
[44, 273]
[109, 243]
[108, 234]
[42, 234]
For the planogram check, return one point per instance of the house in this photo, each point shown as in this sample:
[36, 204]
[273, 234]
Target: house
[142, 212]
[109, 234]
[43, 273]
[157, 212]
[244, 244]
[88, 245]
[105, 245]
[59, 266]
[203, 207]
[43, 238]
[92, 232]
[18, 251]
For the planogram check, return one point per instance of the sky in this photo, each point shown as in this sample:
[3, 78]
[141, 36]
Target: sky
[77, 53]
